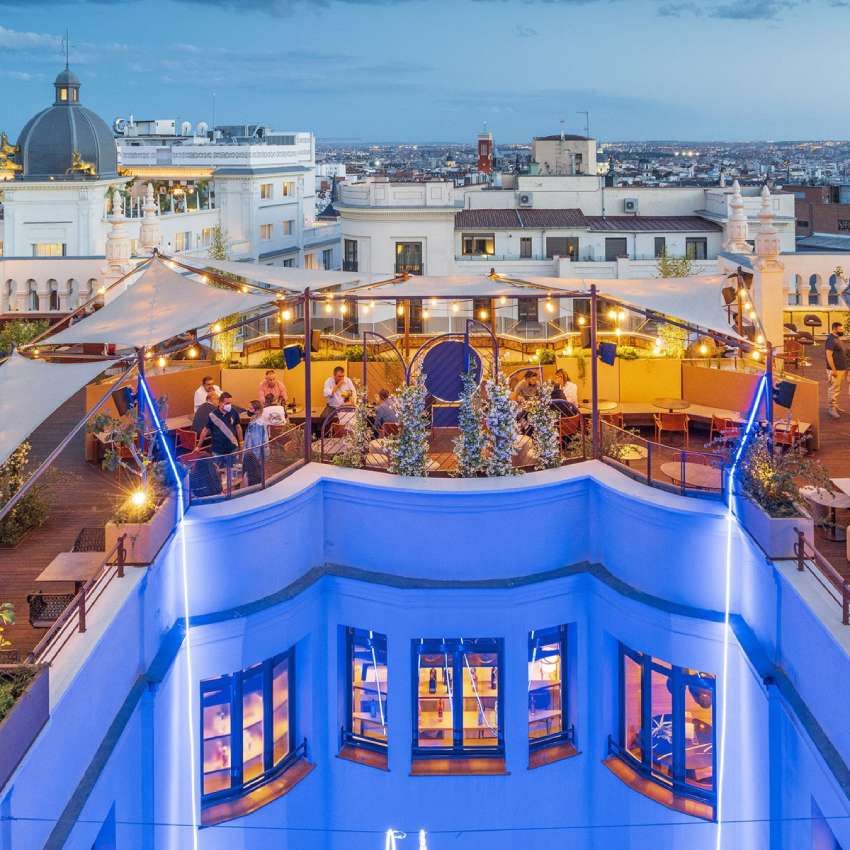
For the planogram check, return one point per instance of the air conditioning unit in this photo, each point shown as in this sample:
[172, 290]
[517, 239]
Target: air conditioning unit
[630, 205]
[525, 199]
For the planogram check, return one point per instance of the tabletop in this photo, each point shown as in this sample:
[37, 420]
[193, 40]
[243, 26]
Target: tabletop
[843, 484]
[604, 405]
[671, 404]
[631, 451]
[72, 566]
[823, 497]
[696, 474]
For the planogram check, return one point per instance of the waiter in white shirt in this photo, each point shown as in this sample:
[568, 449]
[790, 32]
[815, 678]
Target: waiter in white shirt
[339, 389]
[207, 386]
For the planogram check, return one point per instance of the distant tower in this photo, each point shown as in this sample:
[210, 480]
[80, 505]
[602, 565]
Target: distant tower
[485, 151]
[769, 273]
[737, 228]
[118, 261]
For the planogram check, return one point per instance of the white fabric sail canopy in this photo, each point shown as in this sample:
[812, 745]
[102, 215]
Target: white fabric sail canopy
[283, 277]
[30, 390]
[466, 286]
[160, 305]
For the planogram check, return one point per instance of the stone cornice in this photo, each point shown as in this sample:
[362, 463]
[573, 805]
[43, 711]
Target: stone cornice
[395, 213]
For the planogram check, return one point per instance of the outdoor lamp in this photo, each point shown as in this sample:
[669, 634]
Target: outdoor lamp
[138, 498]
[285, 315]
[343, 309]
[327, 306]
[756, 355]
[425, 313]
[161, 362]
[216, 328]
[483, 315]
[550, 307]
[192, 352]
[612, 314]
[455, 307]
[703, 349]
[581, 321]
[503, 300]
[400, 309]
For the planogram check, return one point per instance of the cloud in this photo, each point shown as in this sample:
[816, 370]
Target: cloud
[12, 40]
[524, 31]
[736, 10]
[678, 10]
[23, 76]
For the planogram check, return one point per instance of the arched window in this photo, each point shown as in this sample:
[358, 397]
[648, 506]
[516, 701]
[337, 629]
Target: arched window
[72, 288]
[814, 289]
[7, 295]
[832, 295]
[32, 295]
[53, 302]
[796, 295]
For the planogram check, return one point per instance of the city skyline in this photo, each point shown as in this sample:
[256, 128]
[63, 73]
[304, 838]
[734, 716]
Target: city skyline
[352, 69]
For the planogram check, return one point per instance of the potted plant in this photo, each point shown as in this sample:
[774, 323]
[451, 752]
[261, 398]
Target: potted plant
[147, 516]
[24, 703]
[768, 504]
[31, 511]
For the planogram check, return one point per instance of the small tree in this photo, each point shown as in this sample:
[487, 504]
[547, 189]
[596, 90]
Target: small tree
[218, 245]
[7, 618]
[502, 430]
[31, 511]
[543, 421]
[469, 446]
[18, 333]
[358, 436]
[223, 342]
[408, 450]
[674, 266]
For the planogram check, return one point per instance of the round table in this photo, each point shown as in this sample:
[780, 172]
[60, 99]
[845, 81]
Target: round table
[630, 452]
[833, 502]
[671, 405]
[602, 405]
[696, 474]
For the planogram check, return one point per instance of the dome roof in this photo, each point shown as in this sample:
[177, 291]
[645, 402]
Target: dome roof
[63, 139]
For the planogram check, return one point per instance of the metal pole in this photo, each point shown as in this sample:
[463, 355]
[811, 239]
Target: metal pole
[140, 401]
[406, 308]
[593, 370]
[768, 396]
[308, 395]
[58, 450]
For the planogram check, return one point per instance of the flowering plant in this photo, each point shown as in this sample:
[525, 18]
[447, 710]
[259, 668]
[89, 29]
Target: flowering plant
[408, 450]
[469, 446]
[543, 422]
[358, 435]
[502, 430]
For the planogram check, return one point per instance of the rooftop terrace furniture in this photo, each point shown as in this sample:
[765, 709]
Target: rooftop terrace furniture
[45, 608]
[673, 423]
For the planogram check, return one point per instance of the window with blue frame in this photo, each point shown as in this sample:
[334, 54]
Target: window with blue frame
[547, 687]
[667, 724]
[247, 728]
[366, 694]
[457, 686]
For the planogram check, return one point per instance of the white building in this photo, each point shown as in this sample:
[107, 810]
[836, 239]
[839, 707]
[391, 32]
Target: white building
[560, 218]
[256, 184]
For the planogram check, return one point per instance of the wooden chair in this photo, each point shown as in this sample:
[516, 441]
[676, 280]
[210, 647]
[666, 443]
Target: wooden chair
[787, 437]
[389, 429]
[792, 351]
[569, 426]
[674, 423]
[723, 430]
[337, 429]
[615, 419]
[186, 440]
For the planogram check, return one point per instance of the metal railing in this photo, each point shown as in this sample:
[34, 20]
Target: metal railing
[73, 619]
[810, 559]
[678, 470]
[214, 478]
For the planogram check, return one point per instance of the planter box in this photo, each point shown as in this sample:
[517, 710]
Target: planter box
[775, 536]
[22, 724]
[144, 539]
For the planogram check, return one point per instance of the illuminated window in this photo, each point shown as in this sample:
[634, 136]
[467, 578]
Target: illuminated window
[183, 241]
[547, 687]
[63, 95]
[310, 261]
[207, 236]
[266, 190]
[667, 726]
[458, 710]
[265, 232]
[288, 188]
[408, 258]
[247, 728]
[366, 691]
[479, 244]
[48, 249]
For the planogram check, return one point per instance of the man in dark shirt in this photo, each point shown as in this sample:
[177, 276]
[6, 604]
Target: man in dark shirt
[202, 414]
[836, 367]
[223, 427]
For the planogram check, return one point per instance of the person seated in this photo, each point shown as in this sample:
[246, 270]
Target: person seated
[271, 386]
[527, 388]
[207, 384]
[337, 387]
[273, 413]
[386, 411]
[204, 478]
[223, 427]
[202, 413]
[568, 389]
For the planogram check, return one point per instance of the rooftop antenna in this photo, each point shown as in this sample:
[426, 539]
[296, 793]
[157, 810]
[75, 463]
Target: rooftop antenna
[213, 117]
[562, 129]
[586, 123]
[67, 44]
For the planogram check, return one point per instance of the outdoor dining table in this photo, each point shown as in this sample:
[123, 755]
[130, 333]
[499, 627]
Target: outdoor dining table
[696, 474]
[630, 452]
[833, 502]
[603, 405]
[671, 405]
[76, 567]
[843, 484]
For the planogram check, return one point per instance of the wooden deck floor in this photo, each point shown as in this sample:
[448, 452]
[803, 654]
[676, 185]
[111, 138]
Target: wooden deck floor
[834, 451]
[81, 496]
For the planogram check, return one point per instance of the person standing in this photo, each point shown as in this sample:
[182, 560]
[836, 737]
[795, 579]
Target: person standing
[223, 426]
[836, 367]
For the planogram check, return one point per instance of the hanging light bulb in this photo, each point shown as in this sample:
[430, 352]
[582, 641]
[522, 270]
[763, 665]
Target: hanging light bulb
[760, 339]
[204, 279]
[148, 354]
[503, 300]
[400, 309]
[550, 307]
[343, 309]
[367, 307]
[433, 302]
[161, 361]
[582, 321]
[244, 289]
[192, 352]
[483, 314]
[703, 349]
[286, 314]
[101, 291]
[216, 328]
[138, 498]
[568, 351]
[658, 342]
[621, 315]
[612, 314]
[455, 307]
[756, 355]
[328, 307]
[426, 313]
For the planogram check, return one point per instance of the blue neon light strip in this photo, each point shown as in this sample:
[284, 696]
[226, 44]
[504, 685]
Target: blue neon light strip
[166, 448]
[750, 422]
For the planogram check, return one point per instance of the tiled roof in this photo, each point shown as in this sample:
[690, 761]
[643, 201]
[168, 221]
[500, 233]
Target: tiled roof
[514, 219]
[650, 223]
